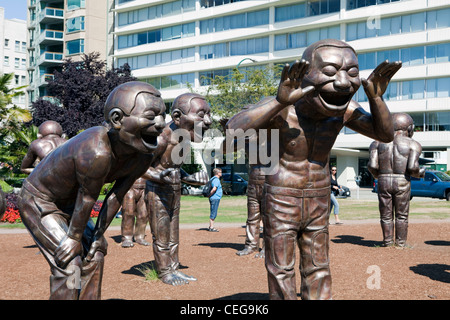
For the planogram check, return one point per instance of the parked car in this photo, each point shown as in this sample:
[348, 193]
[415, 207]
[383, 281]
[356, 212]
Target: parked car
[435, 184]
[191, 190]
[239, 185]
[344, 192]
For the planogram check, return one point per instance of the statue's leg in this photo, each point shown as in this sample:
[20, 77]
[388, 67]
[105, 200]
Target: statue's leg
[280, 236]
[401, 205]
[128, 217]
[158, 206]
[314, 246]
[386, 210]
[141, 220]
[253, 220]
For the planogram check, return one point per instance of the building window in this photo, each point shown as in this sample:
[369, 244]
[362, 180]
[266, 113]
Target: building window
[413, 89]
[169, 33]
[354, 4]
[409, 56]
[6, 61]
[305, 38]
[159, 59]
[306, 9]
[242, 20]
[76, 4]
[17, 46]
[172, 82]
[23, 64]
[215, 3]
[154, 12]
[16, 63]
[75, 46]
[400, 24]
[75, 24]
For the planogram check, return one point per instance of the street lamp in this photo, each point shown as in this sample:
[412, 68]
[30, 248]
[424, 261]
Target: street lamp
[252, 60]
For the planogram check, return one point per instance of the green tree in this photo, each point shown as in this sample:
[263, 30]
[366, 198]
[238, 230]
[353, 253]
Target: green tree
[15, 135]
[227, 95]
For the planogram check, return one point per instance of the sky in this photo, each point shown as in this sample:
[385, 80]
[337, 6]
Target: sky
[15, 9]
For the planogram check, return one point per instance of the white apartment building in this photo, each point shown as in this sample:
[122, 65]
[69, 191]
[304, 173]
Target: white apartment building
[59, 29]
[13, 53]
[172, 43]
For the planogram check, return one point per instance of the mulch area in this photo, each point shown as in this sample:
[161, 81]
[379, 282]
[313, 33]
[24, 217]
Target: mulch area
[419, 272]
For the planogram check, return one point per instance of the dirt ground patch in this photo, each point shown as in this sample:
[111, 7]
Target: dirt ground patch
[419, 272]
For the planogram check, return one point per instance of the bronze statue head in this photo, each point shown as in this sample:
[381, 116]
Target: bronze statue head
[334, 73]
[403, 122]
[190, 110]
[136, 110]
[49, 127]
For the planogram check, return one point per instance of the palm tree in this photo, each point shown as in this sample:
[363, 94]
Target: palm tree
[14, 134]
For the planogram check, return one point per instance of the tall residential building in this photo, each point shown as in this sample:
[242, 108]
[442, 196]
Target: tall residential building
[13, 53]
[59, 29]
[172, 43]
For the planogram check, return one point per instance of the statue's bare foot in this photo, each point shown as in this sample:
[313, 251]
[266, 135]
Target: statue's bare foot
[127, 243]
[173, 280]
[261, 254]
[185, 276]
[142, 242]
[245, 251]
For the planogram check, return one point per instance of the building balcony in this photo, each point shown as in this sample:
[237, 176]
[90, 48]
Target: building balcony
[50, 58]
[44, 79]
[51, 15]
[51, 37]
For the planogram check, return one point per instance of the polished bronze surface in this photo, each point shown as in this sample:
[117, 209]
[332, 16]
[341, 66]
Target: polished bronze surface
[313, 103]
[393, 164]
[50, 136]
[191, 117]
[57, 197]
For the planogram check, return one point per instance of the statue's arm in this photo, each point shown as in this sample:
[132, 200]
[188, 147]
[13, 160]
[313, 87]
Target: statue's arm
[373, 165]
[413, 160]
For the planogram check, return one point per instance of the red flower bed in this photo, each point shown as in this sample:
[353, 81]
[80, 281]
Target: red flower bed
[12, 214]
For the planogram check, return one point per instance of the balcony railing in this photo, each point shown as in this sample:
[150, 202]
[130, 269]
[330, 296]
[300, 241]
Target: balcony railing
[48, 56]
[51, 13]
[51, 35]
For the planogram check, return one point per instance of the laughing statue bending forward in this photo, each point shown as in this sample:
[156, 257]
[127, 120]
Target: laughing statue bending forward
[57, 197]
[313, 103]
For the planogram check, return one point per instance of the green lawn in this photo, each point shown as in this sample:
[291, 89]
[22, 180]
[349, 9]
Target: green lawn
[195, 209]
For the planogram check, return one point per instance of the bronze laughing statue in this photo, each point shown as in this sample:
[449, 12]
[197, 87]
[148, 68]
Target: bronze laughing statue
[134, 215]
[56, 199]
[393, 164]
[191, 117]
[50, 136]
[313, 103]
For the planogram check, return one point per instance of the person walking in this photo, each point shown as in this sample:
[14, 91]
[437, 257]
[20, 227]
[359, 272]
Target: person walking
[214, 198]
[335, 187]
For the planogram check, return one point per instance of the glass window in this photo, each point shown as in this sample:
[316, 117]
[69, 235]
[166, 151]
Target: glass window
[442, 87]
[351, 31]
[417, 89]
[443, 18]
[75, 46]
[443, 52]
[6, 61]
[75, 24]
[418, 22]
[431, 88]
[76, 4]
[281, 41]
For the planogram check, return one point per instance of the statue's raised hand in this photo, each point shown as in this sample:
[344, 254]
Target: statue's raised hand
[289, 89]
[376, 84]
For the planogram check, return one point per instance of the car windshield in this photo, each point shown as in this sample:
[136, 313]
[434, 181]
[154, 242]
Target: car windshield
[443, 176]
